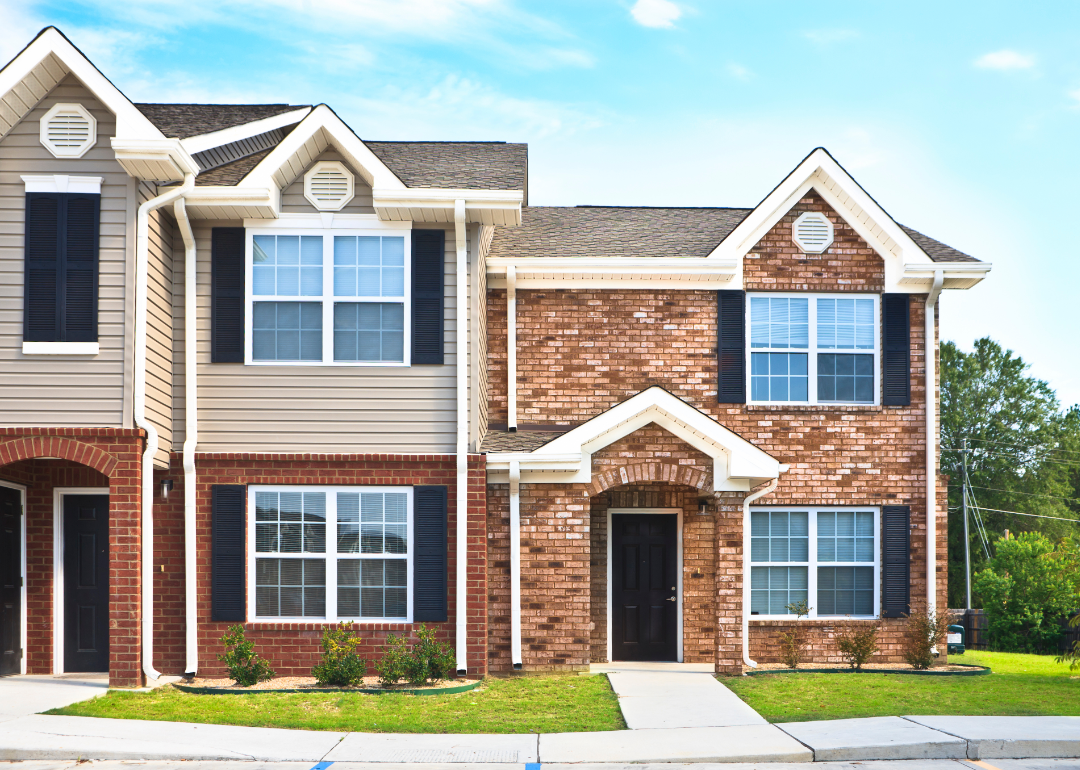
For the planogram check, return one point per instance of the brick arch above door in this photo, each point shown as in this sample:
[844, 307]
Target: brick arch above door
[31, 447]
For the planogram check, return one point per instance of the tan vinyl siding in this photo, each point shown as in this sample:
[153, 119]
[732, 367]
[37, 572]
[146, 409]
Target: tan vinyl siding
[294, 202]
[159, 326]
[64, 391]
[325, 409]
[478, 369]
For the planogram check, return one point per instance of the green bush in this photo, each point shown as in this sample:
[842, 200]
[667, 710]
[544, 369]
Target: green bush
[340, 666]
[857, 642]
[793, 642]
[1030, 585]
[428, 660]
[924, 631]
[245, 667]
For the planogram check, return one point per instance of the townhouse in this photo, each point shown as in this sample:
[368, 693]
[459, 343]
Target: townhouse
[254, 369]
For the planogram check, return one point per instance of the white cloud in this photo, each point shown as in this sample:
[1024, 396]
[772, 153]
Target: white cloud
[658, 14]
[829, 36]
[739, 72]
[1075, 96]
[1005, 60]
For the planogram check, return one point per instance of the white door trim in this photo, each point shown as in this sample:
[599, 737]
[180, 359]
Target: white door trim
[58, 567]
[678, 512]
[22, 571]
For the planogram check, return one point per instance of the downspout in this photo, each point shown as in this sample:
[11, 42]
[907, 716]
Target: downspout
[929, 352]
[515, 563]
[511, 348]
[191, 440]
[746, 568]
[461, 342]
[142, 261]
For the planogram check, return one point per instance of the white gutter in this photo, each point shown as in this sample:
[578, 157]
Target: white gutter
[746, 568]
[511, 348]
[515, 564]
[929, 352]
[142, 260]
[461, 342]
[191, 439]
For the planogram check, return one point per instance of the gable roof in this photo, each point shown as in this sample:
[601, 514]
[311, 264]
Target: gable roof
[641, 231]
[186, 120]
[458, 165]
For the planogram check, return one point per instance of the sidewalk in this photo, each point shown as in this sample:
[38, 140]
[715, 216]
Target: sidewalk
[676, 716]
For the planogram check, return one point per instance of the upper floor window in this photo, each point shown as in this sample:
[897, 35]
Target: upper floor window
[328, 297]
[813, 348]
[826, 557]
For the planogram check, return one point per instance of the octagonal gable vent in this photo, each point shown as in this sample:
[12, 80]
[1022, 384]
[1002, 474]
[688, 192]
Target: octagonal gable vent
[812, 232]
[68, 130]
[328, 185]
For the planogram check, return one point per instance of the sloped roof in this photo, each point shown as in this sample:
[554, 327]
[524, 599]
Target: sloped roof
[181, 121]
[468, 165]
[517, 441]
[631, 231]
[230, 174]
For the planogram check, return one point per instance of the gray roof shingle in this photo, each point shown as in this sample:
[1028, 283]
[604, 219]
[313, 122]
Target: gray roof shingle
[468, 165]
[518, 441]
[181, 121]
[617, 231]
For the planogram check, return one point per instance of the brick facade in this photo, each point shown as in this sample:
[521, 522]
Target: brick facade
[87, 457]
[609, 345]
[293, 648]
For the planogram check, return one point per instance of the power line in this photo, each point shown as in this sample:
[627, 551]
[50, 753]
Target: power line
[1027, 494]
[1033, 515]
[986, 453]
[1023, 446]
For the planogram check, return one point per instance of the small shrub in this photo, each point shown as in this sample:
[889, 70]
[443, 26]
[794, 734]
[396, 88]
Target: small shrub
[924, 631]
[793, 642]
[857, 642]
[245, 667]
[428, 660]
[391, 666]
[341, 665]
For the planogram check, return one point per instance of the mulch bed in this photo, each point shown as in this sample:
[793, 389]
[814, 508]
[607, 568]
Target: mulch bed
[309, 683]
[811, 667]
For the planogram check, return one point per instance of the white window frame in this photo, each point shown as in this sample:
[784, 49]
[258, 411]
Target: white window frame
[813, 350]
[812, 564]
[327, 298]
[330, 555]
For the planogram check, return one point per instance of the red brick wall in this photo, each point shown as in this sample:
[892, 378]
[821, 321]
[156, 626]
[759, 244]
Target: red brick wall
[607, 345]
[293, 648]
[116, 454]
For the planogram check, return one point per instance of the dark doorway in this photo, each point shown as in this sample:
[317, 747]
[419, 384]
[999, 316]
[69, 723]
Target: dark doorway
[10, 580]
[86, 583]
[644, 595]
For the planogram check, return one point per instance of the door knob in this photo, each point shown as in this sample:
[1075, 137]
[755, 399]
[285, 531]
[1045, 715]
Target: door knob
[672, 599]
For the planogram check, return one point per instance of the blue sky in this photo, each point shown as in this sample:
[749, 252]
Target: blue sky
[960, 118]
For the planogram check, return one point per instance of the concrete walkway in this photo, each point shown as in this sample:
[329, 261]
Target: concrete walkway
[24, 695]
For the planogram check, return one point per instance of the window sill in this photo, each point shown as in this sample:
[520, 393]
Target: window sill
[61, 348]
[814, 407]
[777, 620]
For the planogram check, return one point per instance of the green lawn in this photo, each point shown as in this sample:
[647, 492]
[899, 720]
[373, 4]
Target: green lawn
[1020, 685]
[519, 705]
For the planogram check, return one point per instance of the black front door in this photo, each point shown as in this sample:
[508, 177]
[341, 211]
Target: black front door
[10, 580]
[644, 597]
[86, 583]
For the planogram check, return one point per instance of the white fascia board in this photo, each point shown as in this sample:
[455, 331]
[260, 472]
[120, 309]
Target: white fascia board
[215, 195]
[918, 278]
[202, 142]
[561, 461]
[366, 163]
[130, 123]
[154, 160]
[481, 206]
[613, 272]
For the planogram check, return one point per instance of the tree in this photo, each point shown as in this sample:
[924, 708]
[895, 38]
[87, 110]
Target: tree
[1025, 452]
[1029, 586]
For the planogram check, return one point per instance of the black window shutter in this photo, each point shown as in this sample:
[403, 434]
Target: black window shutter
[731, 347]
[428, 257]
[896, 570]
[429, 559]
[227, 295]
[227, 575]
[896, 350]
[60, 301]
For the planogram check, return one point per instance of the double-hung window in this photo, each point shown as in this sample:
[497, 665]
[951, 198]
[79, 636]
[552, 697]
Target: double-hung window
[331, 553]
[328, 297]
[827, 557]
[813, 349]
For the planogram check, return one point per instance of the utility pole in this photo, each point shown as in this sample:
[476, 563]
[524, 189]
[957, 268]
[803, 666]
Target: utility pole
[964, 510]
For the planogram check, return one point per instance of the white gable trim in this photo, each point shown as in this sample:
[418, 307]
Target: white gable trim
[31, 75]
[738, 465]
[905, 261]
[203, 142]
[319, 130]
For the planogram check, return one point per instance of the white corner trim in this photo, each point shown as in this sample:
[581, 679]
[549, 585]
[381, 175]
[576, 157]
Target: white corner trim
[62, 183]
[61, 348]
[202, 142]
